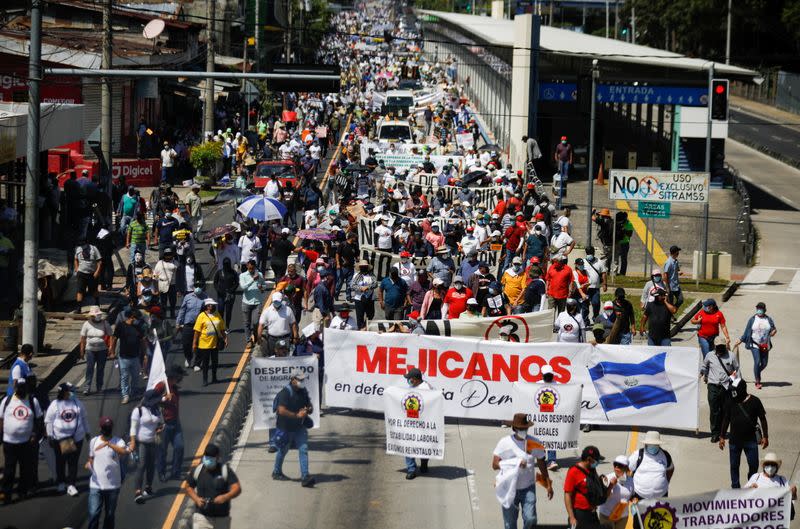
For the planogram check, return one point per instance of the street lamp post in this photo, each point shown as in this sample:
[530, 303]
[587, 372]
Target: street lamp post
[704, 242]
[595, 76]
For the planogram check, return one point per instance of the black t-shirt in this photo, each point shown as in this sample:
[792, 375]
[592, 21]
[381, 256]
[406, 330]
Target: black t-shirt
[210, 484]
[743, 429]
[347, 254]
[281, 249]
[165, 227]
[293, 400]
[658, 320]
[623, 309]
[533, 293]
[129, 339]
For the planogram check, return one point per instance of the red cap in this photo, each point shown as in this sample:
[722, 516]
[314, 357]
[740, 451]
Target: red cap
[531, 185]
[563, 138]
[451, 181]
[539, 216]
[520, 216]
[405, 254]
[470, 228]
[519, 173]
[413, 315]
[534, 260]
[106, 421]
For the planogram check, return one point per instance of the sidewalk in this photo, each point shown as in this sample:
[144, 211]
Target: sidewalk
[787, 119]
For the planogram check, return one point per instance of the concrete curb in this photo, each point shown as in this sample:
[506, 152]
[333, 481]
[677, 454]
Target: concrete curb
[226, 434]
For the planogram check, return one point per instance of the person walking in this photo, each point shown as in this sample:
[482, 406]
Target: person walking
[138, 236]
[172, 433]
[165, 274]
[210, 335]
[226, 284]
[147, 423]
[624, 319]
[757, 337]
[743, 413]
[107, 455]
[518, 456]
[613, 514]
[584, 490]
[21, 427]
[711, 321]
[211, 486]
[253, 286]
[191, 307]
[293, 421]
[323, 299]
[717, 367]
[651, 468]
[559, 279]
[95, 337]
[66, 426]
[414, 379]
[88, 264]
[672, 270]
[656, 319]
[276, 323]
[363, 288]
[132, 345]
[195, 207]
[20, 369]
[393, 295]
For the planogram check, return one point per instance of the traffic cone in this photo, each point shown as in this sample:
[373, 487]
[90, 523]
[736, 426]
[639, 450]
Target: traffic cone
[601, 180]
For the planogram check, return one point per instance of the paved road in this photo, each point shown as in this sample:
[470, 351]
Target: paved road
[198, 404]
[780, 139]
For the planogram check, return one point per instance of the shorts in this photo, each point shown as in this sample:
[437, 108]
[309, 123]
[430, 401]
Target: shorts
[87, 283]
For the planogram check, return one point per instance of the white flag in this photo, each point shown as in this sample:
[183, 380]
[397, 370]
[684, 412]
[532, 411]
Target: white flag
[158, 369]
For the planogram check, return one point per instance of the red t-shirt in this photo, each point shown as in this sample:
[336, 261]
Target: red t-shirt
[558, 281]
[576, 481]
[457, 302]
[513, 235]
[500, 208]
[709, 323]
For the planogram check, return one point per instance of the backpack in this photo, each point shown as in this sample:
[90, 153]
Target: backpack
[595, 490]
[641, 456]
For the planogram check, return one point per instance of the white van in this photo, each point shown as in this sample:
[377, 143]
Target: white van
[395, 130]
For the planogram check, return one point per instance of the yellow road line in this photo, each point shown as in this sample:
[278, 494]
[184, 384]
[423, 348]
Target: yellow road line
[659, 255]
[174, 511]
[633, 438]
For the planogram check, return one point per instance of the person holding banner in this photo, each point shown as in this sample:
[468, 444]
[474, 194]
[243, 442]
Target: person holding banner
[515, 456]
[769, 477]
[414, 379]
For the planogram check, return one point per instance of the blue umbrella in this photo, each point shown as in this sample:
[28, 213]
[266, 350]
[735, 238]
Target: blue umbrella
[262, 208]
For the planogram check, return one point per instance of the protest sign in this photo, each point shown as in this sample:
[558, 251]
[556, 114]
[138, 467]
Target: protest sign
[555, 410]
[759, 508]
[526, 327]
[270, 375]
[660, 384]
[465, 140]
[382, 262]
[414, 422]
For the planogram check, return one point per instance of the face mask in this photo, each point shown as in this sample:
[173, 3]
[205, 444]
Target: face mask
[147, 299]
[593, 465]
[198, 291]
[591, 258]
[708, 309]
[138, 258]
[277, 304]
[652, 450]
[344, 315]
[189, 260]
[98, 318]
[459, 286]
[770, 470]
[608, 312]
[105, 431]
[209, 462]
[656, 279]
[404, 260]
[298, 384]
[760, 312]
[517, 267]
[521, 434]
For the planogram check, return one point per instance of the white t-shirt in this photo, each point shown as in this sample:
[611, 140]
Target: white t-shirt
[561, 242]
[249, 248]
[765, 482]
[349, 324]
[407, 271]
[94, 332]
[384, 234]
[315, 151]
[760, 330]
[66, 418]
[481, 234]
[144, 424]
[18, 418]
[272, 189]
[277, 322]
[510, 447]
[622, 491]
[167, 157]
[650, 478]
[564, 221]
[106, 469]
[595, 273]
[568, 330]
[469, 243]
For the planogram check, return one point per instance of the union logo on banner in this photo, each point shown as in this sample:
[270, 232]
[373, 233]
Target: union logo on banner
[547, 399]
[412, 403]
[660, 516]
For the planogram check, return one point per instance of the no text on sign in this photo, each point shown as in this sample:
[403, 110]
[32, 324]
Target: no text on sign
[659, 186]
[654, 210]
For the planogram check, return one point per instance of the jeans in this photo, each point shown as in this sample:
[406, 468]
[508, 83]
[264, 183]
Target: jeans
[706, 344]
[343, 279]
[563, 170]
[411, 465]
[750, 449]
[716, 402]
[625, 338]
[247, 316]
[147, 464]
[665, 342]
[129, 369]
[300, 440]
[594, 300]
[525, 498]
[124, 222]
[675, 297]
[97, 499]
[70, 461]
[95, 360]
[759, 362]
[172, 434]
[138, 247]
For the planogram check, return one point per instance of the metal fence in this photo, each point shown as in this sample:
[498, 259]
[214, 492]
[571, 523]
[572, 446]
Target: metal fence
[787, 96]
[744, 222]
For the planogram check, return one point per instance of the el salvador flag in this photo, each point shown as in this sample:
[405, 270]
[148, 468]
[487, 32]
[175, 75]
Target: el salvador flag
[640, 385]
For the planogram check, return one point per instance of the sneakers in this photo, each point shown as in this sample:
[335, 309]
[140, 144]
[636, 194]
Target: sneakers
[552, 466]
[62, 488]
[308, 482]
[126, 399]
[196, 369]
[279, 476]
[72, 491]
[147, 492]
[86, 391]
[272, 449]
[715, 438]
[162, 476]
[411, 475]
[586, 428]
[139, 498]
[185, 363]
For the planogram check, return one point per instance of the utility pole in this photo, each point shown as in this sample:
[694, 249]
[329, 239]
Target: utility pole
[208, 110]
[633, 25]
[289, 34]
[30, 319]
[704, 243]
[105, 100]
[606, 18]
[616, 19]
[728, 37]
[595, 75]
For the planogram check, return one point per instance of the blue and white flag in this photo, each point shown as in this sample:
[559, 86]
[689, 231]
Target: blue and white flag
[638, 385]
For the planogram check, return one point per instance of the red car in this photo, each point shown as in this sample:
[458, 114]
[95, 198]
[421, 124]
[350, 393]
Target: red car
[285, 169]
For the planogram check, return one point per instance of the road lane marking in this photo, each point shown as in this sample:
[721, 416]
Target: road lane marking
[174, 511]
[757, 278]
[659, 256]
[794, 285]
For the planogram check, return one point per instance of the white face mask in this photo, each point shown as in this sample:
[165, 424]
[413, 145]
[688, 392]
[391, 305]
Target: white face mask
[298, 384]
[770, 470]
[521, 434]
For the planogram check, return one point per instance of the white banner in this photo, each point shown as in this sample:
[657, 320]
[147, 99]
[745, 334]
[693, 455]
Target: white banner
[525, 328]
[382, 262]
[414, 422]
[465, 140]
[270, 375]
[760, 508]
[555, 410]
[405, 161]
[658, 186]
[639, 385]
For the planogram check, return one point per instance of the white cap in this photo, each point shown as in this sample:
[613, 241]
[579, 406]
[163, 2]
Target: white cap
[546, 370]
[621, 460]
[277, 296]
[608, 305]
[209, 301]
[437, 282]
[285, 230]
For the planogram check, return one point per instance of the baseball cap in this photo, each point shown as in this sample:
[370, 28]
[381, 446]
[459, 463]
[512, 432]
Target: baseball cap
[106, 421]
[458, 279]
[285, 230]
[472, 301]
[277, 296]
[413, 373]
[608, 305]
[546, 370]
[413, 315]
[673, 249]
[593, 452]
[517, 260]
[621, 461]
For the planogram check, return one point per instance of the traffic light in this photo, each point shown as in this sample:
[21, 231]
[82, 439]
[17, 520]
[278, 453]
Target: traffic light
[719, 99]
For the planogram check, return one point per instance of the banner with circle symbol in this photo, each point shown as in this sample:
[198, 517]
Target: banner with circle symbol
[414, 422]
[555, 410]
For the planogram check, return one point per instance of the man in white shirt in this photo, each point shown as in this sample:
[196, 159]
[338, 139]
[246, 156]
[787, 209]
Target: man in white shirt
[562, 243]
[249, 246]
[106, 454]
[278, 322]
[652, 469]
[470, 242]
[406, 268]
[384, 235]
[564, 222]
[597, 272]
[168, 156]
[518, 453]
[344, 320]
[273, 188]
[316, 155]
[22, 426]
[285, 151]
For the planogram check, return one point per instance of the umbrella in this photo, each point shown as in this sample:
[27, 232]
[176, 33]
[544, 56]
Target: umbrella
[220, 231]
[490, 147]
[262, 208]
[316, 234]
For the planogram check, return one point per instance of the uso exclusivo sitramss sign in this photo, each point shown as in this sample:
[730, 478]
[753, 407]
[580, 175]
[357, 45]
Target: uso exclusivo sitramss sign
[658, 186]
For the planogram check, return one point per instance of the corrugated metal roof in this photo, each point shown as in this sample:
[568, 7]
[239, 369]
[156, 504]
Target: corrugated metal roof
[565, 42]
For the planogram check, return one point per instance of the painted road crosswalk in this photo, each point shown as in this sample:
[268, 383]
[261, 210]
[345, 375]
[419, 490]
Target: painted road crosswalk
[772, 280]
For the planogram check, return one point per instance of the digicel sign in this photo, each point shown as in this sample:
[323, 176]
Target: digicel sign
[52, 89]
[452, 364]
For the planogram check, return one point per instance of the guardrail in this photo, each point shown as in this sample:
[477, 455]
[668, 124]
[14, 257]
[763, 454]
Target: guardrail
[744, 223]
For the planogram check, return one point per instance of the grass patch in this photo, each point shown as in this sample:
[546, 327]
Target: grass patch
[714, 286]
[208, 193]
[637, 308]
